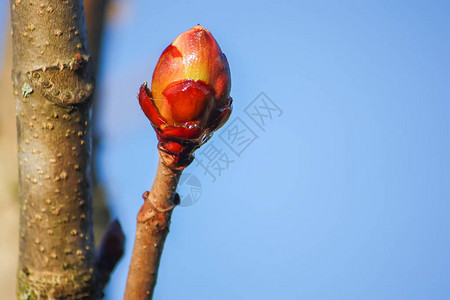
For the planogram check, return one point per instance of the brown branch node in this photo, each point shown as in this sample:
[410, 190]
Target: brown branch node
[153, 221]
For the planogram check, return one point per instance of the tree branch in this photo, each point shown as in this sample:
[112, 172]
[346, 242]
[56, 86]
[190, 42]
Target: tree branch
[153, 221]
[53, 86]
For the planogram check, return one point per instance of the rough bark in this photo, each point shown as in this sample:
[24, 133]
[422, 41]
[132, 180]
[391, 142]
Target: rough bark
[53, 86]
[112, 245]
[153, 222]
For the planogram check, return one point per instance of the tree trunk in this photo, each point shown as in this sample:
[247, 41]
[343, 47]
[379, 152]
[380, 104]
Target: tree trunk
[53, 87]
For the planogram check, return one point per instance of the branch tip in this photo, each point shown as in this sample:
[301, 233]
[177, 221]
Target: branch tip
[110, 252]
[176, 199]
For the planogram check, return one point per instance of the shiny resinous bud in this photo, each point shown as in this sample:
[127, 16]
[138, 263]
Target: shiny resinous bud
[190, 96]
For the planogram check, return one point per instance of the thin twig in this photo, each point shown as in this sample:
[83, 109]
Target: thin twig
[153, 222]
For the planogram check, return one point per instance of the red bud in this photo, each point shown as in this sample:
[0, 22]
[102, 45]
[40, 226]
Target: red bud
[190, 95]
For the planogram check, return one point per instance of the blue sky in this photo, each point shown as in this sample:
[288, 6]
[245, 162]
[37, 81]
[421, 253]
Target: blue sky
[343, 196]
